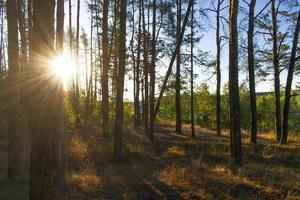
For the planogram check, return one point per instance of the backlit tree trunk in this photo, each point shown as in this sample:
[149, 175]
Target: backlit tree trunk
[146, 91]
[118, 132]
[60, 175]
[14, 110]
[77, 86]
[46, 107]
[137, 77]
[105, 58]
[152, 71]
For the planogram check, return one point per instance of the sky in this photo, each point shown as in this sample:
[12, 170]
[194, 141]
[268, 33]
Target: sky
[207, 43]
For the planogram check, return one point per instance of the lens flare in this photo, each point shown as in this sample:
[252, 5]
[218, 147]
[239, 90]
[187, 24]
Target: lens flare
[64, 67]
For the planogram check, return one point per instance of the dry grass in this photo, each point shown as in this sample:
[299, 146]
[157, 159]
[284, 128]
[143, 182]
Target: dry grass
[177, 167]
[172, 167]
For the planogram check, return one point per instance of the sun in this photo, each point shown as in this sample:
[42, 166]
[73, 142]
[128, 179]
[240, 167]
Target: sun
[64, 67]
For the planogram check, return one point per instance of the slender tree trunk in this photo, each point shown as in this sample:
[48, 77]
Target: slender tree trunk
[289, 82]
[118, 132]
[60, 15]
[276, 72]
[251, 69]
[77, 95]
[146, 98]
[192, 74]
[133, 62]
[70, 27]
[1, 36]
[234, 85]
[21, 19]
[115, 45]
[218, 71]
[137, 77]
[60, 174]
[152, 72]
[178, 62]
[105, 58]
[89, 91]
[14, 110]
[46, 118]
[86, 50]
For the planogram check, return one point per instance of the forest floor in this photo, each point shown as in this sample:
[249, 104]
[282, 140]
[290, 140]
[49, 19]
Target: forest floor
[171, 167]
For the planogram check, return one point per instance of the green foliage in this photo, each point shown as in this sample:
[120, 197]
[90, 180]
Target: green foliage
[205, 109]
[69, 112]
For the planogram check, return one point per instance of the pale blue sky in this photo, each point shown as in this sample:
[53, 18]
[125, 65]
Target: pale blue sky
[206, 44]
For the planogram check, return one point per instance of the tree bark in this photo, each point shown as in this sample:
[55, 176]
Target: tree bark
[105, 57]
[289, 82]
[152, 72]
[178, 62]
[218, 70]
[251, 69]
[46, 118]
[60, 174]
[89, 91]
[137, 77]
[77, 84]
[235, 131]
[21, 19]
[14, 110]
[276, 72]
[146, 87]
[118, 132]
[192, 74]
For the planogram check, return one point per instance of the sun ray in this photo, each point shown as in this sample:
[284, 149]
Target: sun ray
[64, 67]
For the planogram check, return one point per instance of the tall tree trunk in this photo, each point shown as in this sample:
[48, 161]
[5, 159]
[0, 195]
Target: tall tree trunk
[218, 70]
[77, 95]
[133, 62]
[251, 69]
[235, 131]
[178, 62]
[23, 62]
[60, 175]
[1, 36]
[289, 82]
[276, 72]
[21, 19]
[115, 47]
[192, 74]
[105, 57]
[60, 15]
[89, 91]
[152, 72]
[14, 110]
[145, 46]
[118, 132]
[46, 116]
[137, 77]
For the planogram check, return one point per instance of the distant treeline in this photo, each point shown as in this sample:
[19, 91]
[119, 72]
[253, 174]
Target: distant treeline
[205, 109]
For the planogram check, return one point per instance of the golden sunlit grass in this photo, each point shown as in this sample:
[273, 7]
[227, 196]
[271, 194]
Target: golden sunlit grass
[78, 150]
[85, 182]
[174, 151]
